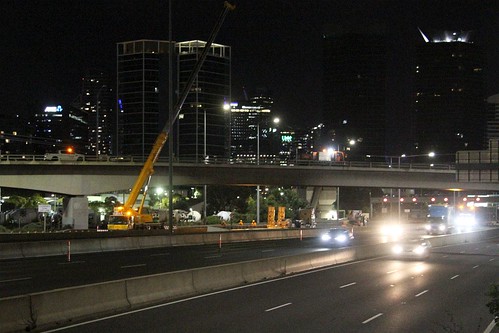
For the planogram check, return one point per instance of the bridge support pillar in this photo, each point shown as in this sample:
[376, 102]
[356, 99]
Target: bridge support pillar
[75, 212]
[322, 199]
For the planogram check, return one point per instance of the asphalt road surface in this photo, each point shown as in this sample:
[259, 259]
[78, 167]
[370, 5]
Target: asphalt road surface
[29, 275]
[445, 293]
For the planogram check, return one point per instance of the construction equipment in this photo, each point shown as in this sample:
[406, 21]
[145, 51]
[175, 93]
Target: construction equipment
[126, 217]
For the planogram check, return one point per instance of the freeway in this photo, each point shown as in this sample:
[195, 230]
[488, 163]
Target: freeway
[29, 275]
[445, 293]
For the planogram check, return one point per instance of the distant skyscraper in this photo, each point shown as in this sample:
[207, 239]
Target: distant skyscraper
[202, 128]
[354, 89]
[247, 117]
[493, 117]
[58, 127]
[449, 94]
[142, 94]
[97, 100]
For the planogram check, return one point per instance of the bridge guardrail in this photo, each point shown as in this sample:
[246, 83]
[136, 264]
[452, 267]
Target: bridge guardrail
[26, 158]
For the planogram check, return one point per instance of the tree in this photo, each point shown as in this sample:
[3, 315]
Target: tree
[277, 197]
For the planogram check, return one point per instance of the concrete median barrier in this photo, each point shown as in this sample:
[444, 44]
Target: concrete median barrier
[15, 314]
[69, 304]
[217, 277]
[158, 287]
[42, 249]
[11, 251]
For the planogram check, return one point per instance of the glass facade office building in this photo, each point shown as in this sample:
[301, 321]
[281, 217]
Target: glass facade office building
[449, 103]
[142, 94]
[202, 129]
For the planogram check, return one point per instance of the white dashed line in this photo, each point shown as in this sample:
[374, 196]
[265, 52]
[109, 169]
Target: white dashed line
[133, 266]
[476, 266]
[16, 280]
[455, 276]
[390, 272]
[160, 254]
[348, 285]
[421, 293]
[372, 318]
[278, 307]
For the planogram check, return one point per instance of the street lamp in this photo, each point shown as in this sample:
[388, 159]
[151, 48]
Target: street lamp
[276, 121]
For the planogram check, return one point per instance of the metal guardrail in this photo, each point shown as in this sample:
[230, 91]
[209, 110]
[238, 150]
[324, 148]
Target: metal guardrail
[40, 159]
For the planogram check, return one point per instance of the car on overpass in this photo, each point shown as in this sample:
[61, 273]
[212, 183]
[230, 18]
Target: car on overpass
[63, 155]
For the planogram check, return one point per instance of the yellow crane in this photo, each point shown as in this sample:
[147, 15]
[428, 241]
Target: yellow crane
[126, 217]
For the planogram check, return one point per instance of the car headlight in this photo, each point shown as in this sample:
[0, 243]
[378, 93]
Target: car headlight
[428, 227]
[441, 227]
[340, 238]
[419, 250]
[397, 249]
[326, 237]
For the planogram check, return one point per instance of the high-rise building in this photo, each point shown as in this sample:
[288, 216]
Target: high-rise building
[253, 129]
[142, 94]
[97, 100]
[202, 129]
[449, 98]
[354, 90]
[492, 117]
[59, 127]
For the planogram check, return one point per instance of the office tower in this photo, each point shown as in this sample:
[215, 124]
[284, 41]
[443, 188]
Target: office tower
[15, 135]
[202, 129]
[253, 129]
[449, 98]
[97, 100]
[142, 94]
[492, 117]
[354, 111]
[59, 127]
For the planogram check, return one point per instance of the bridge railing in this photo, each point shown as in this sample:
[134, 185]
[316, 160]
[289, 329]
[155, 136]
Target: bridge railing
[25, 158]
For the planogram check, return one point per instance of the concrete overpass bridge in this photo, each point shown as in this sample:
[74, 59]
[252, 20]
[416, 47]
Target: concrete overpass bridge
[87, 177]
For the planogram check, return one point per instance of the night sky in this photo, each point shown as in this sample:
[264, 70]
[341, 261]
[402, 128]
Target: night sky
[46, 46]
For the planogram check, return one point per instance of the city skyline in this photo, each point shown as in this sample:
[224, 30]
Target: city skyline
[275, 45]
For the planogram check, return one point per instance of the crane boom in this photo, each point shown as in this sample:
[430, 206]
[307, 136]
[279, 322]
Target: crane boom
[148, 168]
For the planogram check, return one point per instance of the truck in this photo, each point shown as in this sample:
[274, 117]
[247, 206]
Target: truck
[440, 219]
[126, 217]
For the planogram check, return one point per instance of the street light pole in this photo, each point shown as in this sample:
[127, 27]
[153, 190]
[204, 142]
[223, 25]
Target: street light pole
[258, 163]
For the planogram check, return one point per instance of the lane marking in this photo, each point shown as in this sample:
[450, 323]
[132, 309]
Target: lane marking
[214, 256]
[394, 271]
[421, 293]
[270, 250]
[372, 318]
[491, 326]
[16, 280]
[132, 266]
[278, 307]
[492, 259]
[455, 276]
[476, 266]
[71, 262]
[160, 254]
[348, 285]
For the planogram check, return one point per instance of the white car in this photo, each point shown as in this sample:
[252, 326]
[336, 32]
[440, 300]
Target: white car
[61, 155]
